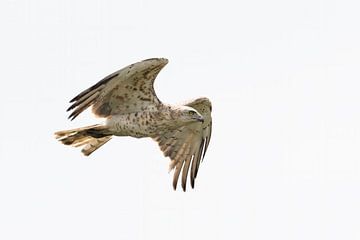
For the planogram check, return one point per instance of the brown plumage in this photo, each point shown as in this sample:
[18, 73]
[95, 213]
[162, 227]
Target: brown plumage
[128, 101]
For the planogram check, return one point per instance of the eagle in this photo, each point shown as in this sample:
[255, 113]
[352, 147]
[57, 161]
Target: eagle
[127, 101]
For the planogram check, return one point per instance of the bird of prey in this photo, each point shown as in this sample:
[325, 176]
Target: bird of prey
[127, 100]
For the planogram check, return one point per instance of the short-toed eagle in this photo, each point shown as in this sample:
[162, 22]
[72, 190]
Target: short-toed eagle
[128, 101]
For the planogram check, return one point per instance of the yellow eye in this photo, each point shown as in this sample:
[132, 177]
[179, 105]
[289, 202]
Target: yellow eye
[192, 113]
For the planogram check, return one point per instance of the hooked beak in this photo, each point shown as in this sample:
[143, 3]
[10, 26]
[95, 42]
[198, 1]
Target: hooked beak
[200, 119]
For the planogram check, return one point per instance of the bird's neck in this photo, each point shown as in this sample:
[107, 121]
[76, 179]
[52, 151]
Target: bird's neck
[167, 116]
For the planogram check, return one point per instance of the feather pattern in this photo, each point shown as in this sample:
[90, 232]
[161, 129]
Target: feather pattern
[194, 137]
[127, 99]
[128, 90]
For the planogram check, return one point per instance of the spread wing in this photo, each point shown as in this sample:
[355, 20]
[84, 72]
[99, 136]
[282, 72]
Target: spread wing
[127, 90]
[187, 145]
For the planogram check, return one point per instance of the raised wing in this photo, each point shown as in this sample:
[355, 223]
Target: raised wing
[188, 144]
[127, 90]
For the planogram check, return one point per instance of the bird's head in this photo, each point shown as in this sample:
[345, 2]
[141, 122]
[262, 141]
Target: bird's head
[188, 114]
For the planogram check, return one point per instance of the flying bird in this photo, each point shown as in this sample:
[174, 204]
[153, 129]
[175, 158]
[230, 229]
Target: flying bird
[127, 101]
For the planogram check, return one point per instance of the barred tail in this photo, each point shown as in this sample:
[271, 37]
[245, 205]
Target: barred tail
[91, 137]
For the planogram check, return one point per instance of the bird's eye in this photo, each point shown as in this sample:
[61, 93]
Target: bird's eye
[191, 112]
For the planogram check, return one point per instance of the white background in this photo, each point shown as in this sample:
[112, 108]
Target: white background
[283, 77]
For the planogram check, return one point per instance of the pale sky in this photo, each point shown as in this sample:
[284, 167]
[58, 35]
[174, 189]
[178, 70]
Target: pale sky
[284, 80]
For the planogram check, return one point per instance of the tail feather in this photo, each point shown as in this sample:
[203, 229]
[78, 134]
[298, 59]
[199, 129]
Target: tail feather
[91, 137]
[94, 144]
